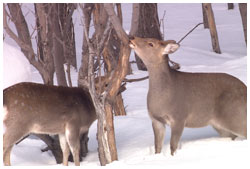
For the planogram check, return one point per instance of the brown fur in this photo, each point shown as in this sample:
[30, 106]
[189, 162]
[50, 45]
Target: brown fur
[182, 99]
[45, 109]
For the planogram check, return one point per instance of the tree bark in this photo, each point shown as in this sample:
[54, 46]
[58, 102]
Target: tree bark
[148, 25]
[102, 129]
[243, 13]
[58, 54]
[44, 43]
[212, 28]
[23, 39]
[204, 14]
[230, 6]
[111, 53]
[106, 140]
[83, 71]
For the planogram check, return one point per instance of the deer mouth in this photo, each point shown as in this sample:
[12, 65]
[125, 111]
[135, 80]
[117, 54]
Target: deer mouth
[131, 44]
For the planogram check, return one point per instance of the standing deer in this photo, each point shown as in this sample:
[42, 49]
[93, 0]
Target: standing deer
[182, 99]
[43, 109]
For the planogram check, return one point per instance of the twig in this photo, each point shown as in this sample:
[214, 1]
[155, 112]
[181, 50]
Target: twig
[189, 32]
[135, 80]
[162, 21]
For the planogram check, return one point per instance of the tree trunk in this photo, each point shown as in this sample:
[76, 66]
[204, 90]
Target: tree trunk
[212, 28]
[42, 61]
[119, 109]
[106, 137]
[243, 13]
[57, 48]
[230, 6]
[111, 55]
[67, 30]
[83, 71]
[44, 43]
[148, 26]
[23, 39]
[205, 21]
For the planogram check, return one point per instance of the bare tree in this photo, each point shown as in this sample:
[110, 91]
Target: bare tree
[45, 66]
[105, 99]
[212, 27]
[48, 24]
[243, 13]
[110, 52]
[230, 6]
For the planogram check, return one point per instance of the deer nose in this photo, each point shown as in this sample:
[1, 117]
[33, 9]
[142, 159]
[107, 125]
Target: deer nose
[131, 37]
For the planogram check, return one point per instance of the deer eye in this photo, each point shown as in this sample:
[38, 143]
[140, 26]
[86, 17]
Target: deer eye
[151, 44]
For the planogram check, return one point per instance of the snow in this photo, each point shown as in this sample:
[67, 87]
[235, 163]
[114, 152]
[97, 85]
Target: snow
[16, 67]
[198, 148]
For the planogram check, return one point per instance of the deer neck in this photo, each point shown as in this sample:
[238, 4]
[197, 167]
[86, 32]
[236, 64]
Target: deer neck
[160, 76]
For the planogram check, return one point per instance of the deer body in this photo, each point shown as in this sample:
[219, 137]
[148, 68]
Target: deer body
[193, 100]
[43, 109]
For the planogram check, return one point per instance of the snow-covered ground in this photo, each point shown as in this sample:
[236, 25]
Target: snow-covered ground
[199, 148]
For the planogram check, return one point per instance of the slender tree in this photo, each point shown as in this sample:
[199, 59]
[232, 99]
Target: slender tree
[243, 13]
[212, 27]
[230, 6]
[205, 20]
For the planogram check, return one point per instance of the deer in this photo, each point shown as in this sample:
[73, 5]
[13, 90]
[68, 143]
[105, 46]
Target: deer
[46, 109]
[193, 100]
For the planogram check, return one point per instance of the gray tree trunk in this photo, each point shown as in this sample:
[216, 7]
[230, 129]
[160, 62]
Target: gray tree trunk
[148, 26]
[83, 71]
[230, 6]
[243, 13]
[44, 43]
[58, 52]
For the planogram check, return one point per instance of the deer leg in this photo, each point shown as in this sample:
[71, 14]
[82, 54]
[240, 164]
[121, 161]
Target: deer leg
[6, 155]
[10, 137]
[176, 131]
[73, 139]
[159, 133]
[65, 149]
[224, 133]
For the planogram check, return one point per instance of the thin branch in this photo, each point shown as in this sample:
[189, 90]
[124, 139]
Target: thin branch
[135, 80]
[189, 32]
[116, 23]
[22, 45]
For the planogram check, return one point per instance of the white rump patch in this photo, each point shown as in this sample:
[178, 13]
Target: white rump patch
[67, 133]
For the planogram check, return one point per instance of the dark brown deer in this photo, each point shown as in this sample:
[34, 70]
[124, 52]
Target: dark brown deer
[44, 109]
[182, 99]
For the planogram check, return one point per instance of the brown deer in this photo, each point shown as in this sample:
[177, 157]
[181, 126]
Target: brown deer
[182, 99]
[44, 109]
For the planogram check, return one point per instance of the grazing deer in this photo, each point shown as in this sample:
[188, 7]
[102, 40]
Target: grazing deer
[182, 99]
[44, 109]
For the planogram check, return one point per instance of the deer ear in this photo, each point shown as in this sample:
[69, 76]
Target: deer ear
[170, 48]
